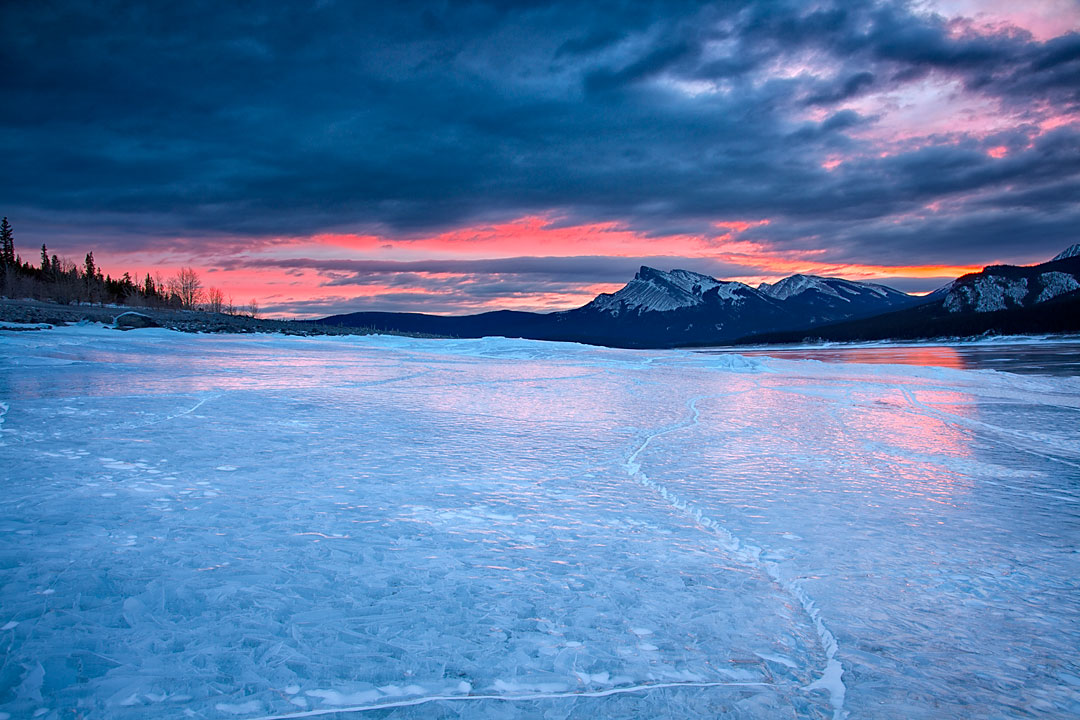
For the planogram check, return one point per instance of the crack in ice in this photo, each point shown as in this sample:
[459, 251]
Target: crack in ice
[831, 678]
[523, 697]
[190, 410]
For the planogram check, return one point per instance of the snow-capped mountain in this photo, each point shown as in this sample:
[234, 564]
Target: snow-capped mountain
[825, 299]
[796, 300]
[653, 290]
[843, 290]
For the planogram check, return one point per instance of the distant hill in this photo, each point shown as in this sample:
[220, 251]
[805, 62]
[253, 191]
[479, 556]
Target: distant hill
[664, 309]
[1002, 299]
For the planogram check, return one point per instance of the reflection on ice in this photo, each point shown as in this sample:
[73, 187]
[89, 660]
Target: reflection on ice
[259, 526]
[1058, 355]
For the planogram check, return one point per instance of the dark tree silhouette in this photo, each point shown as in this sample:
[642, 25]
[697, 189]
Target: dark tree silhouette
[63, 281]
[7, 249]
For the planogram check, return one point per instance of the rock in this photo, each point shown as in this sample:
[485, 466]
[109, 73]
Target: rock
[131, 320]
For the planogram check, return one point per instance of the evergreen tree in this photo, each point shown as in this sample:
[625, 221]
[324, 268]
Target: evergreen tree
[7, 250]
[44, 259]
[91, 271]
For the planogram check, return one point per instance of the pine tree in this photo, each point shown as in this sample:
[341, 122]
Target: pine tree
[7, 250]
[44, 258]
[90, 270]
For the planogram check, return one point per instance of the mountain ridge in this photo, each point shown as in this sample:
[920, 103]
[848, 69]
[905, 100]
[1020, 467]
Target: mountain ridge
[660, 308]
[679, 307]
[999, 299]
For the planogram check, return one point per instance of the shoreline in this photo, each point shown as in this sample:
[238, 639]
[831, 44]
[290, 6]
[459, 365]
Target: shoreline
[35, 312]
[34, 315]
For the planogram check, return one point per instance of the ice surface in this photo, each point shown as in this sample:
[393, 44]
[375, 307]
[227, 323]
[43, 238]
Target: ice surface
[258, 526]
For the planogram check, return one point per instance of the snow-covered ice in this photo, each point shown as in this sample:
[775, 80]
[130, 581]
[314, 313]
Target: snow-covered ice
[259, 526]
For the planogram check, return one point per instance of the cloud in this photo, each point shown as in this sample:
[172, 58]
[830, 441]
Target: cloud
[588, 269]
[179, 126]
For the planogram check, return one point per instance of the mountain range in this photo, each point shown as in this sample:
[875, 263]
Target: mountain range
[1001, 299]
[683, 308]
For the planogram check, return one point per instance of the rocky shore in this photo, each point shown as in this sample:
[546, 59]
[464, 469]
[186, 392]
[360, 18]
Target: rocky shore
[32, 312]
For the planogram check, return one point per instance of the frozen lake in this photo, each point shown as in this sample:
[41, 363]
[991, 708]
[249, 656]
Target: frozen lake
[1039, 356]
[256, 527]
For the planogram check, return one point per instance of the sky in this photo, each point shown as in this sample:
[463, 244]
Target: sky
[457, 157]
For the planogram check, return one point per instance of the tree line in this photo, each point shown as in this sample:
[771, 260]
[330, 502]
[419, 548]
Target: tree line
[64, 281]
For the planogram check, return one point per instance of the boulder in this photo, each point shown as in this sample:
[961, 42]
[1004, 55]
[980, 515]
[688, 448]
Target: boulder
[132, 320]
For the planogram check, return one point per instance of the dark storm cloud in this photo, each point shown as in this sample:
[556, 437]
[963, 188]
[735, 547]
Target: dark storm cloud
[144, 122]
[582, 269]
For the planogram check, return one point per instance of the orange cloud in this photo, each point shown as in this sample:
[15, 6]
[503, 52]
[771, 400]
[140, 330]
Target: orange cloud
[536, 235]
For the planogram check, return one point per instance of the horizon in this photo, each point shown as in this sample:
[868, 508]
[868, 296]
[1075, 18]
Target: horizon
[334, 159]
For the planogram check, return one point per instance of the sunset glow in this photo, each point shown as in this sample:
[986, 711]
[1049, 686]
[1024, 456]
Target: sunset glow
[364, 269]
[433, 170]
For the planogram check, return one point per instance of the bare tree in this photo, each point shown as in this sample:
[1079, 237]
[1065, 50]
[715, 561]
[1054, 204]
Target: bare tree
[215, 300]
[187, 286]
[253, 308]
[230, 308]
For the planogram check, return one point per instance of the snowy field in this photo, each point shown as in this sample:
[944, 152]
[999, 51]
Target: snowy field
[266, 527]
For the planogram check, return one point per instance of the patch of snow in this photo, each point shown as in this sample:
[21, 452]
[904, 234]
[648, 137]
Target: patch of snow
[1070, 252]
[338, 699]
[239, 708]
[5, 325]
[1056, 283]
[986, 293]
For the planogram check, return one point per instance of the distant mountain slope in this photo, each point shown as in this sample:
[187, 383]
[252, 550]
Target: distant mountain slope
[1070, 252]
[1001, 287]
[826, 300]
[664, 309]
[1005, 299]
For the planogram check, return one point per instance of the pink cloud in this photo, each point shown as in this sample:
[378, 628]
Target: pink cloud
[1044, 19]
